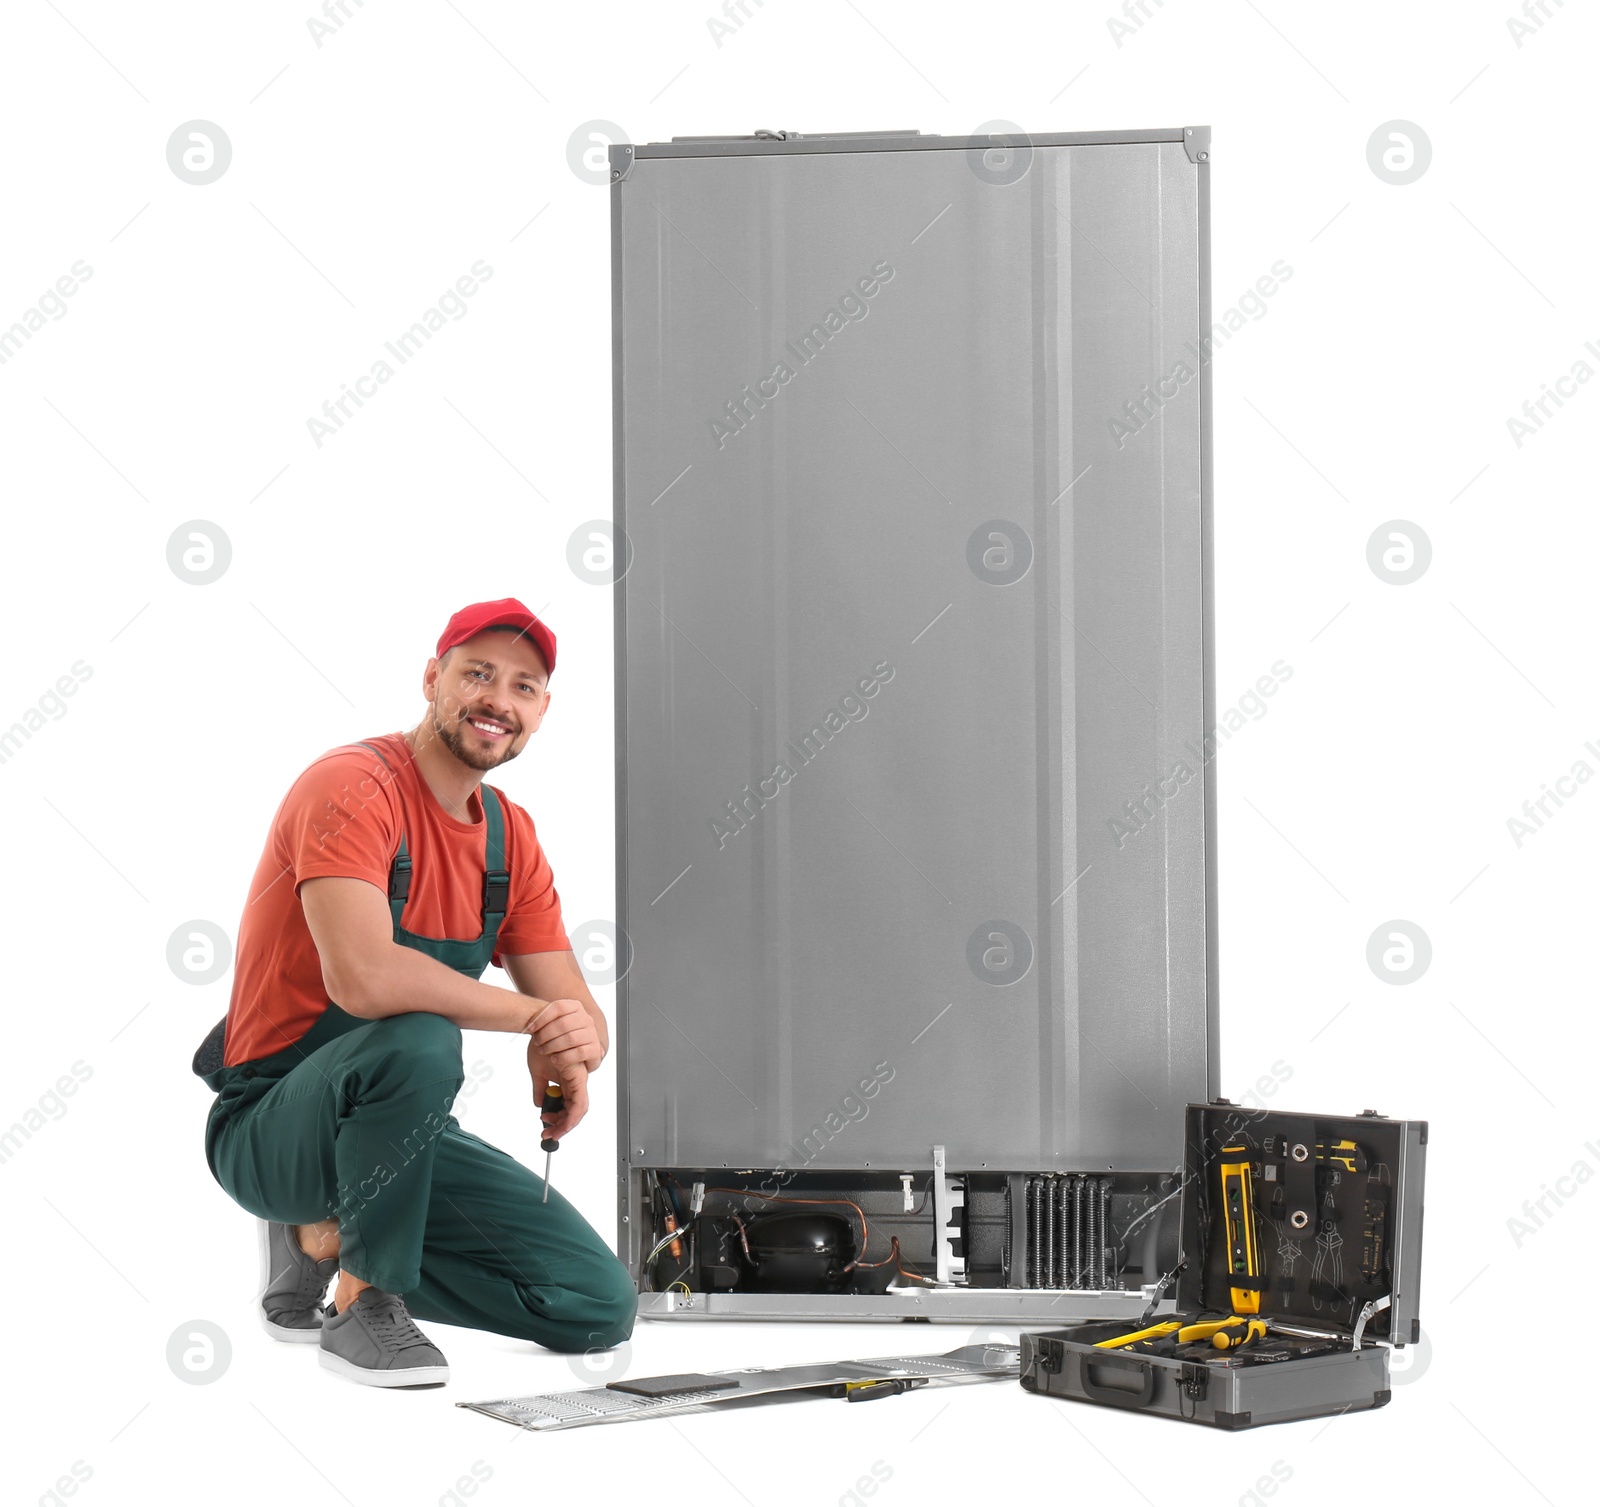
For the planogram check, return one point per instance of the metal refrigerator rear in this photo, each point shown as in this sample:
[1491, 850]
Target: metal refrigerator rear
[914, 719]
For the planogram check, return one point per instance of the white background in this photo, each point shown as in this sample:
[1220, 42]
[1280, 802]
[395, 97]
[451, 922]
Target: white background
[368, 174]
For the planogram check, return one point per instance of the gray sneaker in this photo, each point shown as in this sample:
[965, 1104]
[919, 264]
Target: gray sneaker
[292, 1285]
[374, 1341]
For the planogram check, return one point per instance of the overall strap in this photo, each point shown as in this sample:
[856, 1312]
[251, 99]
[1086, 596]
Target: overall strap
[400, 865]
[496, 877]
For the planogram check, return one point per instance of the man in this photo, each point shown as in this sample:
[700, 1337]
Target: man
[391, 878]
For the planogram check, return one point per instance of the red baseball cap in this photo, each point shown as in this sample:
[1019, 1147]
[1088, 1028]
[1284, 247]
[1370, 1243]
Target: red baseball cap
[508, 612]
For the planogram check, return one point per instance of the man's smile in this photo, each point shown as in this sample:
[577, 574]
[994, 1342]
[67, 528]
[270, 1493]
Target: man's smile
[489, 728]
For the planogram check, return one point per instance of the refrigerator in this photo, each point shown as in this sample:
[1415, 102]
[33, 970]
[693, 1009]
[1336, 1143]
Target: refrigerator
[914, 716]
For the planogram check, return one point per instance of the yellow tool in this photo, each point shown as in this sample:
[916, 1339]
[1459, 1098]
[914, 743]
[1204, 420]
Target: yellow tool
[888, 1386]
[1224, 1334]
[1154, 1332]
[1247, 1332]
[1238, 1213]
[1346, 1153]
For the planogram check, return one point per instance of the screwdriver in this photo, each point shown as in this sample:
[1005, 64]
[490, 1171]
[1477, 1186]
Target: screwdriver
[552, 1103]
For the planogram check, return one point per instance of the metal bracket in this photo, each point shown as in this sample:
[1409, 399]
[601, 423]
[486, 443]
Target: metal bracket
[622, 158]
[949, 1196]
[1368, 1311]
[1197, 143]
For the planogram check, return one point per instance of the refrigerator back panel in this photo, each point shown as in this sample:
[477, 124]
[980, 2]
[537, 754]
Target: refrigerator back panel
[913, 652]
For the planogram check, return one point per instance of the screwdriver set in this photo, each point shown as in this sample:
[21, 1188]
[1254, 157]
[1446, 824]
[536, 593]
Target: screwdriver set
[1301, 1244]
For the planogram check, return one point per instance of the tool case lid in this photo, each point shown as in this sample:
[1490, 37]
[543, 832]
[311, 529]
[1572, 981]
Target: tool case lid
[1338, 1216]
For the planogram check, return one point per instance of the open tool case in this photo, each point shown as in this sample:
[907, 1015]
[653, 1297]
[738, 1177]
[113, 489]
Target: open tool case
[1305, 1226]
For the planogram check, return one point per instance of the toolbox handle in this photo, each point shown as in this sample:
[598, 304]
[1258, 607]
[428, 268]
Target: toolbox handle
[1118, 1397]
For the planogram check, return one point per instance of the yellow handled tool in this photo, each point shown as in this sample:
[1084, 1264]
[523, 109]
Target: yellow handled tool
[1241, 1332]
[1154, 1332]
[1238, 1213]
[552, 1103]
[1224, 1334]
[1348, 1155]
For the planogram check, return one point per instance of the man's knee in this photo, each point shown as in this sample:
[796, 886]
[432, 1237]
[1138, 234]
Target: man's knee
[615, 1308]
[428, 1046]
[600, 1316]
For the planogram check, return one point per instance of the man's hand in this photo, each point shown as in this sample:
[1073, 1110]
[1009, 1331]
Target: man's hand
[555, 975]
[564, 1034]
[574, 1088]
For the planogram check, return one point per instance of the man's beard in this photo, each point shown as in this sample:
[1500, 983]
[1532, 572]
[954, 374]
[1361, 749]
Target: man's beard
[456, 737]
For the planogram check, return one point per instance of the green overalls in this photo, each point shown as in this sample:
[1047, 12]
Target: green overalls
[354, 1120]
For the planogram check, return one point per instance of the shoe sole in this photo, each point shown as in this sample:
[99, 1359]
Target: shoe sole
[408, 1376]
[279, 1332]
[284, 1336]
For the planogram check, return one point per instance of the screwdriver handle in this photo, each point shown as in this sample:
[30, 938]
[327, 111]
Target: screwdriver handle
[553, 1102]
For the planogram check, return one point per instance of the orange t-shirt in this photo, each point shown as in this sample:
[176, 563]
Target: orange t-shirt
[343, 817]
